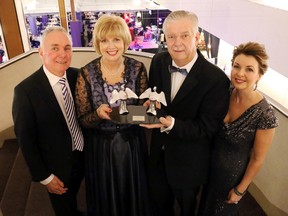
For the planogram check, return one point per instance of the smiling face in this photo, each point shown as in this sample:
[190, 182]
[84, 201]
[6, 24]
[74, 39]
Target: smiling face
[245, 72]
[110, 28]
[112, 48]
[56, 52]
[181, 41]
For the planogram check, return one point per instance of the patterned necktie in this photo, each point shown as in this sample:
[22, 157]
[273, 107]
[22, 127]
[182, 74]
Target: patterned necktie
[71, 117]
[173, 69]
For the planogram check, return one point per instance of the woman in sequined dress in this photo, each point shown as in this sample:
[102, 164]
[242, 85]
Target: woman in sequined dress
[242, 143]
[116, 154]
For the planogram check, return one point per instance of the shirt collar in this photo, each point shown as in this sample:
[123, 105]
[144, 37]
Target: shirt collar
[53, 79]
[189, 65]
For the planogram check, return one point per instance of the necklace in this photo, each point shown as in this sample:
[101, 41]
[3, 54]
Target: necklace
[107, 70]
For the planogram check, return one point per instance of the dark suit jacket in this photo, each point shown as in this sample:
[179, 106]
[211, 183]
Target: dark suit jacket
[198, 108]
[40, 126]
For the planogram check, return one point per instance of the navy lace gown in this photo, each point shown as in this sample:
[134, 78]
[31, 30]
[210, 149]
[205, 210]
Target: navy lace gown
[116, 155]
[231, 155]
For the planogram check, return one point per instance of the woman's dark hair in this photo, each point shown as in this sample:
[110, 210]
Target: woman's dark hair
[253, 49]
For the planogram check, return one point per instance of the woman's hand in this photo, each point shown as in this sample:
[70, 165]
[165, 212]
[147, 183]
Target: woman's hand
[147, 103]
[233, 198]
[104, 111]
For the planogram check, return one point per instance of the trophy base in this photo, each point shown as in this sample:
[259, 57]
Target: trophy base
[135, 115]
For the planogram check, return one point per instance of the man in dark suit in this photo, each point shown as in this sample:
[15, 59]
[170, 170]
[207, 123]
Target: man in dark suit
[42, 126]
[197, 100]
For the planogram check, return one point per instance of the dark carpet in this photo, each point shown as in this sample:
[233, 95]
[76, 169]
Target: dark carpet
[15, 183]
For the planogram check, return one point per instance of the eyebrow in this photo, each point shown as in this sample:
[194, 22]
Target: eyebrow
[250, 66]
[56, 45]
[179, 33]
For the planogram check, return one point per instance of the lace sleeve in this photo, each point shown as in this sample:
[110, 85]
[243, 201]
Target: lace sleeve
[84, 104]
[142, 82]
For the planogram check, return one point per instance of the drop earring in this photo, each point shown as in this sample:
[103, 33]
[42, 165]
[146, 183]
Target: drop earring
[255, 87]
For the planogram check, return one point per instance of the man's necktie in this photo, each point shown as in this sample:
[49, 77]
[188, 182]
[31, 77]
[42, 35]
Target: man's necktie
[71, 117]
[173, 69]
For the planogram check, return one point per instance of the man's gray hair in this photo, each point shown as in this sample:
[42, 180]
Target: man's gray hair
[180, 15]
[48, 30]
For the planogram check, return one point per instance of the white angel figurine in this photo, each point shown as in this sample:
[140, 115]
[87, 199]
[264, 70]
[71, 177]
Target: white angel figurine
[122, 95]
[153, 97]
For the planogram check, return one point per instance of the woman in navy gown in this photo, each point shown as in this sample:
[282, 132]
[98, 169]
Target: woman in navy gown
[116, 154]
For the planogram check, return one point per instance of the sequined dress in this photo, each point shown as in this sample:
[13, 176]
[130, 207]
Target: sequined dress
[116, 154]
[232, 147]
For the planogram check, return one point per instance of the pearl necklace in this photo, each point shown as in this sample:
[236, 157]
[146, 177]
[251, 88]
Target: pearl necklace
[107, 70]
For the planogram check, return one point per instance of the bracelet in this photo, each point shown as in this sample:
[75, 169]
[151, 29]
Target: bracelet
[238, 193]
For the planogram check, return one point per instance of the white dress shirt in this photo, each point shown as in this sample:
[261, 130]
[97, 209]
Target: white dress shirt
[177, 80]
[56, 86]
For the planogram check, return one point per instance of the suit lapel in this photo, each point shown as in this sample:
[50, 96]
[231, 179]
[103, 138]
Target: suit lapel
[46, 93]
[190, 82]
[167, 79]
[72, 77]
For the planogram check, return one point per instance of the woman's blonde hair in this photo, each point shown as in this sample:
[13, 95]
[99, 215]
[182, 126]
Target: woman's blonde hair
[111, 25]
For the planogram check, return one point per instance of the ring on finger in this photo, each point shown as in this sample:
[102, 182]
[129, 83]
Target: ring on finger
[236, 203]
